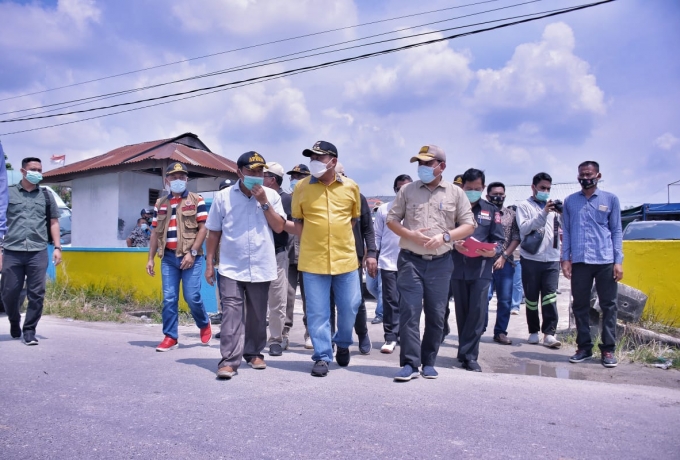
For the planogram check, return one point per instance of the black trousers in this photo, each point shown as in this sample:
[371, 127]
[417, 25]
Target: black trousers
[540, 280]
[390, 295]
[360, 326]
[17, 265]
[423, 286]
[472, 304]
[582, 277]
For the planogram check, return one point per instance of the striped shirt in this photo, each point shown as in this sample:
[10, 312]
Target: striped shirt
[171, 239]
[592, 229]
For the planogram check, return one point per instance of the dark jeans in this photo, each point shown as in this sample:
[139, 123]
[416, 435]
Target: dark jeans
[390, 295]
[582, 277]
[294, 279]
[17, 265]
[423, 287]
[540, 280]
[502, 283]
[471, 299]
[360, 326]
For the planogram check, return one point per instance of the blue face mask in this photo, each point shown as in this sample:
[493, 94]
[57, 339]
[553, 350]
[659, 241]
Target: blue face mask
[34, 177]
[293, 182]
[251, 181]
[144, 227]
[178, 186]
[426, 174]
[473, 195]
[542, 196]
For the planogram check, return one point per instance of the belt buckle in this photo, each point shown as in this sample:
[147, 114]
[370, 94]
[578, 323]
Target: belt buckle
[426, 257]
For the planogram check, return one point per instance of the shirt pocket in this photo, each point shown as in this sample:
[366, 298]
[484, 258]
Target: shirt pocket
[601, 217]
[189, 218]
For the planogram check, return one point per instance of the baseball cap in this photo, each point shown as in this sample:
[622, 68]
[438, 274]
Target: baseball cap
[300, 169]
[429, 153]
[321, 148]
[146, 211]
[251, 160]
[458, 180]
[176, 167]
[275, 168]
[224, 184]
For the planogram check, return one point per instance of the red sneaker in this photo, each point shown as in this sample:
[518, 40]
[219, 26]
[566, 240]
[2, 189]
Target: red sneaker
[206, 335]
[167, 344]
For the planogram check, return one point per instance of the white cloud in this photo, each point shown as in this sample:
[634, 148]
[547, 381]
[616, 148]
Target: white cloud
[666, 141]
[333, 113]
[542, 74]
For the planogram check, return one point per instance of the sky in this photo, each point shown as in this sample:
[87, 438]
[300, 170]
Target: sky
[599, 84]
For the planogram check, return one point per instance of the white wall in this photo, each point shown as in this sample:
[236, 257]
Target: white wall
[95, 208]
[134, 195]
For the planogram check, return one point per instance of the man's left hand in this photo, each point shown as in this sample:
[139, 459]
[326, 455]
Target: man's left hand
[187, 261]
[56, 256]
[618, 272]
[259, 193]
[372, 266]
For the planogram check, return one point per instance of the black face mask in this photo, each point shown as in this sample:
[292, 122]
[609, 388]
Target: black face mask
[497, 200]
[588, 183]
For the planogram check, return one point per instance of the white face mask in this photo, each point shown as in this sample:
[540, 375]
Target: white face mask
[318, 168]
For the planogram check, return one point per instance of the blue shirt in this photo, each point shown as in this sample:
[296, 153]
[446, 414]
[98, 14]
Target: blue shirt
[592, 229]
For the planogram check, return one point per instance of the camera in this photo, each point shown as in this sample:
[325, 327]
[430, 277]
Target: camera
[559, 206]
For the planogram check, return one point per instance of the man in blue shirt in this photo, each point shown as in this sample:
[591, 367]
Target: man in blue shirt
[592, 250]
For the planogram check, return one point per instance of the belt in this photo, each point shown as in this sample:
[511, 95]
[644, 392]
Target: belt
[426, 256]
[279, 249]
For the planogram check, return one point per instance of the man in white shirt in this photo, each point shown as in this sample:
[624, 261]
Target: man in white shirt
[243, 218]
[387, 243]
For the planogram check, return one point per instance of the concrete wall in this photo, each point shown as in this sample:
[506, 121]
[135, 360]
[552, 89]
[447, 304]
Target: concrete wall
[133, 196]
[95, 211]
[650, 266]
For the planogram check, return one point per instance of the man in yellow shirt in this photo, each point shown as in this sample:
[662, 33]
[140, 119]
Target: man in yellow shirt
[325, 207]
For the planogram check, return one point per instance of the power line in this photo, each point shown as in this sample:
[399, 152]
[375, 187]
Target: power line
[227, 86]
[270, 61]
[249, 47]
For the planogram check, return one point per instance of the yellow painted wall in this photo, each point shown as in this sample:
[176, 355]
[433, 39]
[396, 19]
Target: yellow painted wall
[652, 267]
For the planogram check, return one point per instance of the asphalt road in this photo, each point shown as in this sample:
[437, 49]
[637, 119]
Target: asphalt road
[99, 390]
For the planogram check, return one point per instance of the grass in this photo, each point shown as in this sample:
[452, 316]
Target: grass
[96, 303]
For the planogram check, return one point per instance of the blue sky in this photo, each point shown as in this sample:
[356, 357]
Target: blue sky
[598, 84]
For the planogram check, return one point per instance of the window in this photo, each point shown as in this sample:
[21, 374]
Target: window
[153, 196]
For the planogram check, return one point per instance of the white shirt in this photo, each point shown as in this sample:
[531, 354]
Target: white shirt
[531, 217]
[247, 242]
[386, 241]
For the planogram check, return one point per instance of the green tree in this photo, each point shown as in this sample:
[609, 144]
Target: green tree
[8, 165]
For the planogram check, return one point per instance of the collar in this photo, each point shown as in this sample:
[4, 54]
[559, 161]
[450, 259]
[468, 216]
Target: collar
[184, 194]
[440, 184]
[21, 187]
[595, 193]
[314, 180]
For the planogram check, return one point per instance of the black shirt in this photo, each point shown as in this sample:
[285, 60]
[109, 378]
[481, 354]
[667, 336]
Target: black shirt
[281, 239]
[364, 233]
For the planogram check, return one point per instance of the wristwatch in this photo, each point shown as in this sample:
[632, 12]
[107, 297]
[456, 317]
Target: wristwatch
[447, 237]
[194, 253]
[57, 247]
[265, 206]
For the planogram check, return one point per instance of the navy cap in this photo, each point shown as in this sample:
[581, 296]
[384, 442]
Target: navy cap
[300, 169]
[321, 148]
[176, 167]
[225, 183]
[251, 160]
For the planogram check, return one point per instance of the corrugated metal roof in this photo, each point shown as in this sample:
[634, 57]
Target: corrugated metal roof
[164, 149]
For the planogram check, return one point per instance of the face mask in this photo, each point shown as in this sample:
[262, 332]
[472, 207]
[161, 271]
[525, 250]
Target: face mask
[178, 186]
[317, 168]
[426, 174]
[34, 177]
[588, 183]
[497, 200]
[144, 226]
[542, 196]
[473, 195]
[293, 182]
[251, 181]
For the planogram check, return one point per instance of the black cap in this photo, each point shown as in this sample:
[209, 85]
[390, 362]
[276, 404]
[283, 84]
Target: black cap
[300, 169]
[225, 183]
[176, 167]
[251, 160]
[146, 211]
[321, 148]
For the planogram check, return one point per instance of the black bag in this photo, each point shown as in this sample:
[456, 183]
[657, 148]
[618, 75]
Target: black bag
[48, 214]
[532, 242]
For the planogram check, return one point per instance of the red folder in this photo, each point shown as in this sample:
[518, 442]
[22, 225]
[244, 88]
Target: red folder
[472, 244]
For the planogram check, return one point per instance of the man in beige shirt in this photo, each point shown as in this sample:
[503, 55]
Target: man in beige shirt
[428, 215]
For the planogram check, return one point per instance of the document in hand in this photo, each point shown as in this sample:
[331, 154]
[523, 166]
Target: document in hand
[472, 244]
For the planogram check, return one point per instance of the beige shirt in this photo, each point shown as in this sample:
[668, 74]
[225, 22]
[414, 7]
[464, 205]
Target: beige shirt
[440, 210]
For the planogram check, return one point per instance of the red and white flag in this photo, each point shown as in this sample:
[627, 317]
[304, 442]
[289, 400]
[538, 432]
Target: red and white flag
[58, 159]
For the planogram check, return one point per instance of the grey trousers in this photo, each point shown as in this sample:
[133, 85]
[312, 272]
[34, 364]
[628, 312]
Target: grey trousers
[17, 265]
[243, 333]
[295, 279]
[278, 296]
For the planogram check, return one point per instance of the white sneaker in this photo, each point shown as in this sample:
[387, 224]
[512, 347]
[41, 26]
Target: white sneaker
[533, 338]
[514, 311]
[388, 347]
[309, 346]
[285, 343]
[551, 342]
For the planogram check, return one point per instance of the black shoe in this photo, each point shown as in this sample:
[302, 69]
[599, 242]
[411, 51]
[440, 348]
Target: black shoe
[364, 345]
[29, 338]
[580, 356]
[320, 369]
[377, 320]
[342, 356]
[218, 335]
[15, 330]
[608, 359]
[275, 349]
[472, 365]
[215, 318]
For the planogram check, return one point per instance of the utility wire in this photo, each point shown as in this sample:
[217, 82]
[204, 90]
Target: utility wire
[269, 61]
[324, 65]
[250, 47]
